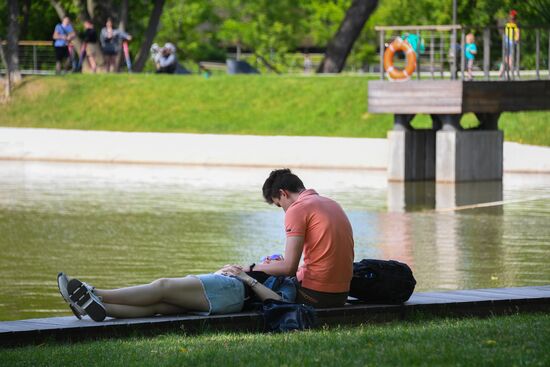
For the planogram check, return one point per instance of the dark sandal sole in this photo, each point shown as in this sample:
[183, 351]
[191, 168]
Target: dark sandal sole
[80, 295]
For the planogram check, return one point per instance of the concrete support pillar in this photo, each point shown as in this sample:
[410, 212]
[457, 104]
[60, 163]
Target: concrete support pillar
[488, 121]
[450, 122]
[473, 155]
[412, 155]
[402, 122]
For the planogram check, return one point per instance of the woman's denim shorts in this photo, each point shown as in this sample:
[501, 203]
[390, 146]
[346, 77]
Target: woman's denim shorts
[225, 294]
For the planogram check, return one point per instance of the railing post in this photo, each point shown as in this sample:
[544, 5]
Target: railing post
[486, 52]
[432, 53]
[548, 54]
[441, 53]
[537, 47]
[34, 59]
[418, 45]
[453, 52]
[517, 62]
[462, 43]
[382, 55]
[513, 54]
[504, 61]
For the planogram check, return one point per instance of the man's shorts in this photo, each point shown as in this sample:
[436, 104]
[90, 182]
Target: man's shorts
[61, 53]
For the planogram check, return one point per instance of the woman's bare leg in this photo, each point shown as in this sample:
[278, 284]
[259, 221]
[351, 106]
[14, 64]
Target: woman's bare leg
[92, 63]
[125, 311]
[187, 293]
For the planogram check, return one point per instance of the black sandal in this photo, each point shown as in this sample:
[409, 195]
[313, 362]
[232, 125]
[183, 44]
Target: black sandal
[82, 294]
[62, 282]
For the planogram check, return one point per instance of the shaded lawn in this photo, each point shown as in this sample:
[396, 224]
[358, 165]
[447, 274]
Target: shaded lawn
[520, 340]
[241, 104]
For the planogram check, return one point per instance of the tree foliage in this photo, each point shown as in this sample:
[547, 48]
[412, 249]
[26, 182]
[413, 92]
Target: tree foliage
[206, 29]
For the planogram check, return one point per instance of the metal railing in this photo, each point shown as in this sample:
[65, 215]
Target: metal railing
[440, 51]
[35, 57]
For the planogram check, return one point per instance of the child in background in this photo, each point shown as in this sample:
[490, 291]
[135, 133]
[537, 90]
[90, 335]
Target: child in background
[469, 52]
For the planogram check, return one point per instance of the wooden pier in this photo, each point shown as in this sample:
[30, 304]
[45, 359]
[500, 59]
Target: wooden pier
[478, 302]
[447, 152]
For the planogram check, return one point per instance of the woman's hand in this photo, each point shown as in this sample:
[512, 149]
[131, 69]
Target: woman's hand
[234, 270]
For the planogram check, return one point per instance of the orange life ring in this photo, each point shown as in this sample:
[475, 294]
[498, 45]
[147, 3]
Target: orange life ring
[392, 72]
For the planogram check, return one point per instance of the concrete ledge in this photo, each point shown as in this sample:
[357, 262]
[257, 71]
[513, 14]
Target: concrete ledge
[224, 150]
[191, 149]
[476, 302]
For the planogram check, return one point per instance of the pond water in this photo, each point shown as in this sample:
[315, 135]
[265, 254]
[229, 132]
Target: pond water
[118, 225]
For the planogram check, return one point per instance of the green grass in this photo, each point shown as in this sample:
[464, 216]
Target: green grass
[519, 340]
[259, 105]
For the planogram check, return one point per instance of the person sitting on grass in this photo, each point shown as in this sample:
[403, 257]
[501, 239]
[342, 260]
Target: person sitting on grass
[223, 292]
[165, 59]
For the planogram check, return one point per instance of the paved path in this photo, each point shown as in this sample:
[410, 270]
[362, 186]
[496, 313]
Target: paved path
[224, 150]
[453, 303]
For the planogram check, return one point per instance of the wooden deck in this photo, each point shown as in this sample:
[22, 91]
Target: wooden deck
[457, 97]
[478, 302]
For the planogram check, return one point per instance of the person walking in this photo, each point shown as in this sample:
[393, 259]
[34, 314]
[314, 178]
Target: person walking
[63, 34]
[511, 43]
[317, 230]
[111, 40]
[88, 50]
[470, 51]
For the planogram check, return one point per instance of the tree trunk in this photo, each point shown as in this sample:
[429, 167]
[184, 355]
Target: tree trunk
[26, 12]
[123, 22]
[90, 8]
[7, 82]
[341, 44]
[150, 34]
[13, 41]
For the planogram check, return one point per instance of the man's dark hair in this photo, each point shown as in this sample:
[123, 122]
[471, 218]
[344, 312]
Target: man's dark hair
[281, 179]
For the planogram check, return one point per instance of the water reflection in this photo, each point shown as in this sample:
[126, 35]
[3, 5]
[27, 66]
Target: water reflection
[469, 193]
[428, 195]
[456, 240]
[116, 225]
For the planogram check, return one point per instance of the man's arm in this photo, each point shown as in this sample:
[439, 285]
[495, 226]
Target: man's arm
[56, 35]
[288, 266]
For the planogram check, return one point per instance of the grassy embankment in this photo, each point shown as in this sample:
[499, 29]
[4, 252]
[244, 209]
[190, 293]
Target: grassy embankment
[262, 105]
[519, 340]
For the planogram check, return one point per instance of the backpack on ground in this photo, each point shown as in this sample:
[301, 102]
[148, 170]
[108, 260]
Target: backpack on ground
[382, 281]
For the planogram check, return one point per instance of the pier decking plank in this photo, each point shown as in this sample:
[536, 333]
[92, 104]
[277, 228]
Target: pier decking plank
[462, 302]
[457, 97]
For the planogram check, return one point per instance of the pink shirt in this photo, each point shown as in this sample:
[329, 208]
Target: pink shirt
[328, 242]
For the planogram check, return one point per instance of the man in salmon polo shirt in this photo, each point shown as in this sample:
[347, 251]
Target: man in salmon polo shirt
[317, 229]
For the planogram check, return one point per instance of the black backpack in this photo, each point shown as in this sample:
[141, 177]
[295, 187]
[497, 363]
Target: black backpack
[382, 281]
[280, 316]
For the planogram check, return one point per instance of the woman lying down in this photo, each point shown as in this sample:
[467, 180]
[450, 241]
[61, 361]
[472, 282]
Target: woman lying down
[224, 291]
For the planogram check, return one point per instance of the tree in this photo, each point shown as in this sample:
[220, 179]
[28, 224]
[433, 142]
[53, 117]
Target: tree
[13, 41]
[341, 44]
[150, 34]
[7, 82]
